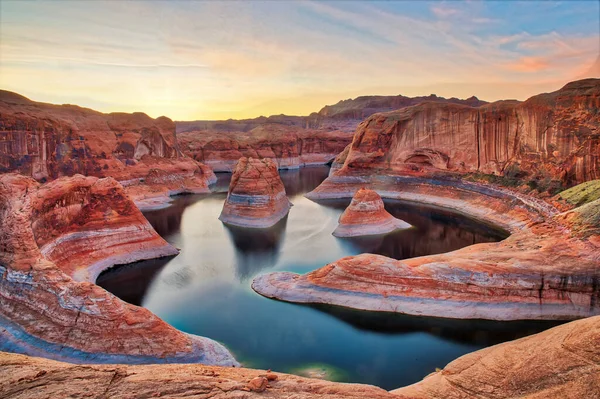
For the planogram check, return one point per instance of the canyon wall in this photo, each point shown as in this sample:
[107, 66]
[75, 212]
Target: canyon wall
[55, 240]
[291, 147]
[47, 141]
[550, 137]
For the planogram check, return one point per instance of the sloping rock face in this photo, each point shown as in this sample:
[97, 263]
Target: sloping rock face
[366, 215]
[558, 363]
[550, 137]
[547, 269]
[24, 377]
[291, 147]
[55, 239]
[256, 196]
[48, 141]
[562, 362]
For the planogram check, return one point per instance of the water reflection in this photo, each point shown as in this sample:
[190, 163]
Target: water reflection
[480, 332]
[130, 282]
[256, 249]
[205, 290]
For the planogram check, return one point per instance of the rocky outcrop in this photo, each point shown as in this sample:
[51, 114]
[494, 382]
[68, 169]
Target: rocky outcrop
[256, 196]
[558, 363]
[366, 215]
[24, 377]
[562, 362]
[47, 141]
[291, 147]
[55, 240]
[549, 139]
[547, 269]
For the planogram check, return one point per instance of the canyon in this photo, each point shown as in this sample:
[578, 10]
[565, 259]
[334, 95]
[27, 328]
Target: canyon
[366, 215]
[47, 141]
[547, 268]
[293, 141]
[256, 196]
[56, 238]
[74, 211]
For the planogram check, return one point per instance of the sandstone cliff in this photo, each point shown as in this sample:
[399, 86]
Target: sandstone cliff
[47, 141]
[550, 138]
[546, 269]
[55, 239]
[291, 147]
[256, 196]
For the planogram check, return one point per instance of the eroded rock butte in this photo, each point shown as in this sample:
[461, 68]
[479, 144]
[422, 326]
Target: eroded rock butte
[256, 196]
[366, 215]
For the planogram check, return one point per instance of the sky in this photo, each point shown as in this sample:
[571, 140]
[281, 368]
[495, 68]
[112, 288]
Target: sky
[225, 59]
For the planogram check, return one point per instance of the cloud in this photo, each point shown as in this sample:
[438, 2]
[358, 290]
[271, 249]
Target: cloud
[528, 64]
[443, 11]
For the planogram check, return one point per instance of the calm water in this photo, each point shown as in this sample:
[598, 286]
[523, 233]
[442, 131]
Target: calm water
[206, 289]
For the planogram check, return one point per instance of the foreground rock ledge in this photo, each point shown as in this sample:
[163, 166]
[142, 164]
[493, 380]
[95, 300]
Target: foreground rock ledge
[562, 362]
[256, 196]
[547, 269]
[366, 215]
[55, 240]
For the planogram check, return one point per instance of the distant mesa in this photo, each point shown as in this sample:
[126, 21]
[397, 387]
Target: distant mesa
[366, 215]
[256, 196]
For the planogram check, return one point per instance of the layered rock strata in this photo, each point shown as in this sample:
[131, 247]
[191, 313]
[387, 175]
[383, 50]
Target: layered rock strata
[55, 239]
[256, 196]
[291, 147]
[547, 269]
[549, 139]
[47, 141]
[366, 215]
[558, 363]
[563, 362]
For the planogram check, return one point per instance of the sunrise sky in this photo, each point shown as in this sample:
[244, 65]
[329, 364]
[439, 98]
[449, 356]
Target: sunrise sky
[214, 60]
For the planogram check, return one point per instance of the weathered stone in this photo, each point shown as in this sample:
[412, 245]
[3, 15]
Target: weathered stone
[55, 239]
[366, 215]
[256, 196]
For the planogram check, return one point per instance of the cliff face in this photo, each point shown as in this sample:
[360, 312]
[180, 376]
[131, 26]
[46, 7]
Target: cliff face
[48, 141]
[551, 136]
[55, 239]
[290, 146]
[547, 269]
[256, 196]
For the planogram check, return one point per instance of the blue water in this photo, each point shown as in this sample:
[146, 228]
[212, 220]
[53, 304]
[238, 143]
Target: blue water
[206, 289]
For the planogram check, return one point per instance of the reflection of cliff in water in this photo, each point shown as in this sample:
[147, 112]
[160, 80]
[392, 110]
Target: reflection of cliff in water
[130, 282]
[478, 332]
[256, 249]
[167, 221]
[434, 231]
[303, 180]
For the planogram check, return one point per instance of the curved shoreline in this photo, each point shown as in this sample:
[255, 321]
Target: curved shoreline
[48, 269]
[544, 270]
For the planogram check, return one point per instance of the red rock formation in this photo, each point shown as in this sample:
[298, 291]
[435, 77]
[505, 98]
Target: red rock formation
[47, 141]
[547, 268]
[558, 363]
[548, 137]
[27, 377]
[55, 239]
[256, 196]
[366, 215]
[291, 147]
